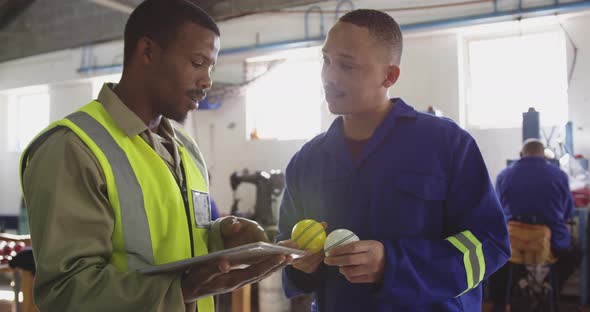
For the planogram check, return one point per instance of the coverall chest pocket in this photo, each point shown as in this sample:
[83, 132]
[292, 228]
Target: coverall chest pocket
[411, 204]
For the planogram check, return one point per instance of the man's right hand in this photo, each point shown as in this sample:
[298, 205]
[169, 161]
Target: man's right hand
[308, 263]
[217, 277]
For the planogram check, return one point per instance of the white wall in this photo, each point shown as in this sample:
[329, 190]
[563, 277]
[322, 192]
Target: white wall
[221, 135]
[68, 97]
[579, 96]
[64, 98]
[9, 186]
[430, 76]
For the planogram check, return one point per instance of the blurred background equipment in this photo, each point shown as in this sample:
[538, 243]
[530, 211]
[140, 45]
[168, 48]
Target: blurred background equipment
[269, 187]
[530, 125]
[267, 295]
[17, 267]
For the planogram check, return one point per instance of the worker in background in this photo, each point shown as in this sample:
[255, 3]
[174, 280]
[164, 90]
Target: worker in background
[114, 187]
[532, 190]
[412, 186]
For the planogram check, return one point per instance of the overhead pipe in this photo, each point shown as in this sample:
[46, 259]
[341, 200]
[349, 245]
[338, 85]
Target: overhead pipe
[282, 45]
[311, 9]
[398, 9]
[340, 3]
[115, 5]
[114, 68]
[496, 16]
[500, 16]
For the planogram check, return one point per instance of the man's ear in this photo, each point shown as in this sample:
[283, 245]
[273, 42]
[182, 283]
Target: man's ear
[393, 73]
[147, 50]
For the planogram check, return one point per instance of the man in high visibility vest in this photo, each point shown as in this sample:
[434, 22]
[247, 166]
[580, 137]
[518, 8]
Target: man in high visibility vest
[114, 187]
[412, 186]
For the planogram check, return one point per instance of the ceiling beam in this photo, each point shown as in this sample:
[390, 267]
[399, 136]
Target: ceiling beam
[114, 5]
[10, 10]
[227, 9]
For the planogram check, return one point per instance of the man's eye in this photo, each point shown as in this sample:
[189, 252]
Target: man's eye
[346, 66]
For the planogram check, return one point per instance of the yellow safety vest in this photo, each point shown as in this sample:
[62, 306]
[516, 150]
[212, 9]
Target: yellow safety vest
[155, 219]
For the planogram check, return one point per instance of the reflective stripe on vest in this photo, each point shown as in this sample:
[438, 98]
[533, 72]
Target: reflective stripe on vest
[150, 220]
[137, 237]
[195, 155]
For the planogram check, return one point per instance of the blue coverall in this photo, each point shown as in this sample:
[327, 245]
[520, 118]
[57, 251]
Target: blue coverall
[421, 188]
[534, 191]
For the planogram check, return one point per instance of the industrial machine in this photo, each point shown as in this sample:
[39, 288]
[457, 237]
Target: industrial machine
[269, 186]
[267, 295]
[531, 129]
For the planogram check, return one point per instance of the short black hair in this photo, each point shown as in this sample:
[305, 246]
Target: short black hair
[381, 26]
[532, 147]
[160, 20]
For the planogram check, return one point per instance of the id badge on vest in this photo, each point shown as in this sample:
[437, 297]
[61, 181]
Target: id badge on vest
[202, 208]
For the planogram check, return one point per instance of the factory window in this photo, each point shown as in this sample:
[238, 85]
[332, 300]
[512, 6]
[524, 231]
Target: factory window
[99, 81]
[508, 75]
[285, 97]
[28, 114]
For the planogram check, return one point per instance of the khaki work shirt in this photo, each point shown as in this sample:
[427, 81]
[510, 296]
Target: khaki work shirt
[71, 222]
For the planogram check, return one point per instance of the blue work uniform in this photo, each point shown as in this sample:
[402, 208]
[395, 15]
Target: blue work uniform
[534, 191]
[214, 210]
[422, 189]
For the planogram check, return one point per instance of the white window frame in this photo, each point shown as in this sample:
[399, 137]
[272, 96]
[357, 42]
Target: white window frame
[506, 31]
[98, 81]
[34, 120]
[288, 124]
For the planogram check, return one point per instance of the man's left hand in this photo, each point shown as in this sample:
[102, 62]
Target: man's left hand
[360, 262]
[237, 231]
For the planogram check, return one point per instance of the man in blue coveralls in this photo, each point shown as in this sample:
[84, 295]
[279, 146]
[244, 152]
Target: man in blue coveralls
[412, 186]
[534, 191]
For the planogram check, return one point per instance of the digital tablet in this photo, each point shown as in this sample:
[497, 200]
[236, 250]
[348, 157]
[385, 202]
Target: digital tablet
[239, 257]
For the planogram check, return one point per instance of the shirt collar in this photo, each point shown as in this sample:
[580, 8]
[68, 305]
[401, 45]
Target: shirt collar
[125, 118]
[168, 128]
[335, 142]
[400, 110]
[533, 159]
